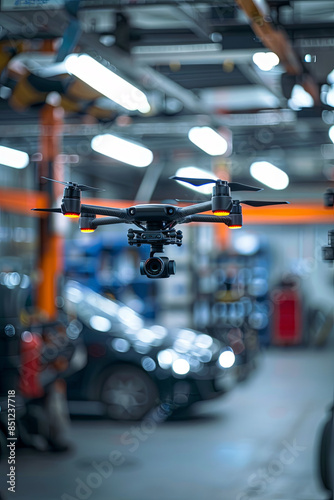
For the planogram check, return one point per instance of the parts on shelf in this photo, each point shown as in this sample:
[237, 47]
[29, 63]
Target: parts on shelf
[232, 292]
[109, 266]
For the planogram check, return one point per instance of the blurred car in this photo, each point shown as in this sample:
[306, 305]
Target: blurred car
[326, 453]
[132, 366]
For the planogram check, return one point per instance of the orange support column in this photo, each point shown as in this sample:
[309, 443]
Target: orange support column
[51, 244]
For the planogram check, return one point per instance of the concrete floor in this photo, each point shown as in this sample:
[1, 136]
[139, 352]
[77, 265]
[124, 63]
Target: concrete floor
[258, 442]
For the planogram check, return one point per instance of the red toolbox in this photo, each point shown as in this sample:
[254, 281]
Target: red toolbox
[287, 317]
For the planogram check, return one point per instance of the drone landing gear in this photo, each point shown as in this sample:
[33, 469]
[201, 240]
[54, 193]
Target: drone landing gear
[155, 238]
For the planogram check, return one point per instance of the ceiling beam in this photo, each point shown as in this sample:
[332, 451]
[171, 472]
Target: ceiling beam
[249, 72]
[194, 20]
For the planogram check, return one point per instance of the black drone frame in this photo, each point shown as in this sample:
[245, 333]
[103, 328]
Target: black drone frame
[156, 227]
[156, 222]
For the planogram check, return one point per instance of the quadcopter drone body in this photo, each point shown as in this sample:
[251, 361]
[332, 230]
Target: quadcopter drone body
[156, 222]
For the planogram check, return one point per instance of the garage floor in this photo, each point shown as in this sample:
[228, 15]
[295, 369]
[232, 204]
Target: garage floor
[258, 442]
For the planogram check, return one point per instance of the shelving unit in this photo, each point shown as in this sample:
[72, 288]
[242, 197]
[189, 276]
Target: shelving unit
[108, 265]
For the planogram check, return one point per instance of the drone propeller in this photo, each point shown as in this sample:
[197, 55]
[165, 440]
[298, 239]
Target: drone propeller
[193, 181]
[189, 201]
[52, 210]
[71, 204]
[234, 186]
[255, 203]
[252, 203]
[82, 187]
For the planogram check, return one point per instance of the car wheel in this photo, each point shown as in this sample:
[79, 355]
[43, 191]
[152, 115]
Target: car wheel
[128, 392]
[325, 458]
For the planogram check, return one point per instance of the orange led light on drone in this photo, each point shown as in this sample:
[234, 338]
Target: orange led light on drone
[87, 230]
[72, 215]
[219, 212]
[234, 227]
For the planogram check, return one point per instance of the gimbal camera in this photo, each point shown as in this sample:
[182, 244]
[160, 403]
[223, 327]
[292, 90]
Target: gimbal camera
[156, 235]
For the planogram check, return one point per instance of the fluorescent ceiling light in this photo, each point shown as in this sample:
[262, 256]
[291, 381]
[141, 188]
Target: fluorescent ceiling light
[265, 61]
[13, 157]
[268, 174]
[208, 140]
[106, 82]
[178, 49]
[197, 173]
[300, 98]
[122, 150]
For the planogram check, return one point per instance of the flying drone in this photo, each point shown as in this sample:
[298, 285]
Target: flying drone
[156, 222]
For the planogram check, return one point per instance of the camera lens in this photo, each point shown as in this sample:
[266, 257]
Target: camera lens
[154, 266]
[157, 267]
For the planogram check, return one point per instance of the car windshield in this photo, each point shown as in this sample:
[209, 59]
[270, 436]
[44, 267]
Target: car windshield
[99, 312]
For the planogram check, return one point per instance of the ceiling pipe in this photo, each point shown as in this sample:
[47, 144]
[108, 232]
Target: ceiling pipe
[273, 39]
[277, 41]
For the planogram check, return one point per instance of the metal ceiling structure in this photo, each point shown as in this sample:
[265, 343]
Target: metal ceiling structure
[194, 61]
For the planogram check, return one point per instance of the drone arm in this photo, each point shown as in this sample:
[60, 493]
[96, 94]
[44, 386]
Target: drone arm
[206, 218]
[106, 221]
[195, 209]
[112, 212]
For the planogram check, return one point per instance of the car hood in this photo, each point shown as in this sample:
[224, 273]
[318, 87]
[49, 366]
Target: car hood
[112, 317]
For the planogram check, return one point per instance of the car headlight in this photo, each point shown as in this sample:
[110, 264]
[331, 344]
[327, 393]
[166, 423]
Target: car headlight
[227, 358]
[193, 344]
[203, 341]
[166, 358]
[181, 366]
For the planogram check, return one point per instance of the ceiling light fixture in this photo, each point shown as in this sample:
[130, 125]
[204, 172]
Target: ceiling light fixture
[122, 150]
[208, 140]
[179, 48]
[300, 98]
[107, 82]
[265, 61]
[268, 174]
[13, 157]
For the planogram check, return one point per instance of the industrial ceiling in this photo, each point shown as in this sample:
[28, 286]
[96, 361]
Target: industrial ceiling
[194, 61]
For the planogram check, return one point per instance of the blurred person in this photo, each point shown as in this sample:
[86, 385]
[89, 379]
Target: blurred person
[46, 422]
[48, 356]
